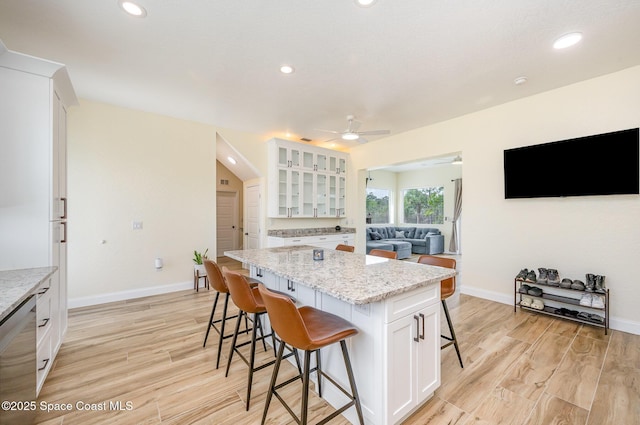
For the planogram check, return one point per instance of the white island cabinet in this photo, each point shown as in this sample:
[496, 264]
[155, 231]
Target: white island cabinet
[396, 307]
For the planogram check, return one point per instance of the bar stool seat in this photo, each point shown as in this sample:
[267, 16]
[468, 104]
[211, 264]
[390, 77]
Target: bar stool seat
[309, 329]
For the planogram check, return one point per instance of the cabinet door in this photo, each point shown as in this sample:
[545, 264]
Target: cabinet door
[288, 157]
[428, 358]
[401, 348]
[287, 201]
[308, 160]
[321, 188]
[342, 197]
[308, 201]
[321, 162]
[302, 294]
[59, 160]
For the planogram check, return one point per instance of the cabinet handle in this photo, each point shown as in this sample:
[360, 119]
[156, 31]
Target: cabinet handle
[46, 362]
[64, 207]
[44, 290]
[63, 225]
[422, 317]
[44, 323]
[417, 338]
[259, 272]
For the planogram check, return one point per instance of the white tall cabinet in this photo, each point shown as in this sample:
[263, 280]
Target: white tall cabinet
[33, 198]
[306, 181]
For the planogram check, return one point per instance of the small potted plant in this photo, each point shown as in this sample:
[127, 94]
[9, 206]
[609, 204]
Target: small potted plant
[198, 259]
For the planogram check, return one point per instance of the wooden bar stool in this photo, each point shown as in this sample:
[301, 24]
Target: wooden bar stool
[384, 253]
[345, 248]
[447, 288]
[249, 301]
[220, 286]
[309, 329]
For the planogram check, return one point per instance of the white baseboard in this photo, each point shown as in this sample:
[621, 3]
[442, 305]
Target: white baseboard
[128, 295]
[616, 323]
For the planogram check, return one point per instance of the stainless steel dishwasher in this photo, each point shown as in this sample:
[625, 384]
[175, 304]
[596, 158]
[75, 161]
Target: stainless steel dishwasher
[18, 365]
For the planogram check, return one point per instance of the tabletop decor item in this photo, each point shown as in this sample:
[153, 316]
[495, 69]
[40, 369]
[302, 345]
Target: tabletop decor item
[318, 254]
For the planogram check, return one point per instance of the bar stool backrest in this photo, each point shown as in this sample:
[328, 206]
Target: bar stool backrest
[345, 248]
[241, 294]
[215, 276]
[384, 253]
[447, 286]
[285, 318]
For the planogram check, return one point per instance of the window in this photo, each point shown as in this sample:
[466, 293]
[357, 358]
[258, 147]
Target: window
[424, 206]
[378, 206]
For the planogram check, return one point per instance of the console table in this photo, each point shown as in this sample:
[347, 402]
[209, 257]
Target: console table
[394, 304]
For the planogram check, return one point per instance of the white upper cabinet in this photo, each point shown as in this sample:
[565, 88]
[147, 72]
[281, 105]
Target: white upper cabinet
[306, 181]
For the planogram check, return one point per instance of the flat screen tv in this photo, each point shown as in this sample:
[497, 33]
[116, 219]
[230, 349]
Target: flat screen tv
[604, 164]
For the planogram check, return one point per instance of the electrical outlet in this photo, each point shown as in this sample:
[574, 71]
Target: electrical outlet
[136, 225]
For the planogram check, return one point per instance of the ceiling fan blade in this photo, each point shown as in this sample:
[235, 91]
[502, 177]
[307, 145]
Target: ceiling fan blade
[328, 131]
[331, 140]
[374, 132]
[362, 140]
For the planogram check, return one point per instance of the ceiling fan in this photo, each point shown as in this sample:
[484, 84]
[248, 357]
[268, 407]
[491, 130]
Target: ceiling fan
[352, 133]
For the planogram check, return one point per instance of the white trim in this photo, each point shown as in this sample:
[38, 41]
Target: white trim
[616, 323]
[128, 295]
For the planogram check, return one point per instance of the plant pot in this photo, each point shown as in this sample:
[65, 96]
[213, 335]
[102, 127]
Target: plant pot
[199, 269]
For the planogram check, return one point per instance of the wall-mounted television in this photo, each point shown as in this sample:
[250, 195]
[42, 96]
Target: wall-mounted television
[603, 164]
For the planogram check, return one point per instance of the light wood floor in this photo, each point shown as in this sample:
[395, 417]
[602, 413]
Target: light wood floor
[520, 368]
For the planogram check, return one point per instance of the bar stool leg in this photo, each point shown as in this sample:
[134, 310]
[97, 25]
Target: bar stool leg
[272, 384]
[252, 357]
[453, 338]
[305, 387]
[224, 321]
[319, 372]
[213, 311]
[233, 341]
[352, 381]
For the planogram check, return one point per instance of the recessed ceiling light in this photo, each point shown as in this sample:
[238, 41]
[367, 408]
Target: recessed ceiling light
[286, 69]
[520, 81]
[132, 8]
[232, 160]
[567, 40]
[365, 3]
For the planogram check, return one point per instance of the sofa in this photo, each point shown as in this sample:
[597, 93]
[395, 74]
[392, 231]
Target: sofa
[423, 240]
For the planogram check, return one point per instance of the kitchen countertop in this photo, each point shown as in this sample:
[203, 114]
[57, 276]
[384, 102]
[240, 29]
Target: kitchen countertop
[313, 231]
[350, 277]
[16, 285]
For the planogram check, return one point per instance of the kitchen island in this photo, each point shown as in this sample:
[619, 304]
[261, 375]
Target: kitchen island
[394, 304]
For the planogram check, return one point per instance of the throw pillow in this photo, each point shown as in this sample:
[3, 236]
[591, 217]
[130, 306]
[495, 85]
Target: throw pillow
[375, 236]
[400, 235]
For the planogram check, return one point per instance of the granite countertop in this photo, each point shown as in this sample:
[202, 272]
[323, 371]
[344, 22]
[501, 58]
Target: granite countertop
[350, 277]
[313, 231]
[16, 285]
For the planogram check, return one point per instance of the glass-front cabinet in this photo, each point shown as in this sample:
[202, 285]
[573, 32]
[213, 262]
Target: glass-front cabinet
[306, 181]
[288, 193]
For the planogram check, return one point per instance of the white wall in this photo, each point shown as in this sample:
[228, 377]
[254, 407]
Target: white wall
[127, 165]
[598, 234]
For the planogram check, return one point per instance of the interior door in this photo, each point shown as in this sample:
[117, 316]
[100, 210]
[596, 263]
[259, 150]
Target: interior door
[252, 217]
[227, 221]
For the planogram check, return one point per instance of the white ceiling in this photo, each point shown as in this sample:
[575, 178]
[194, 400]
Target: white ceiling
[398, 65]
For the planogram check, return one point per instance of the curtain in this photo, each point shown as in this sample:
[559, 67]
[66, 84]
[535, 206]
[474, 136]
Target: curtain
[457, 209]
